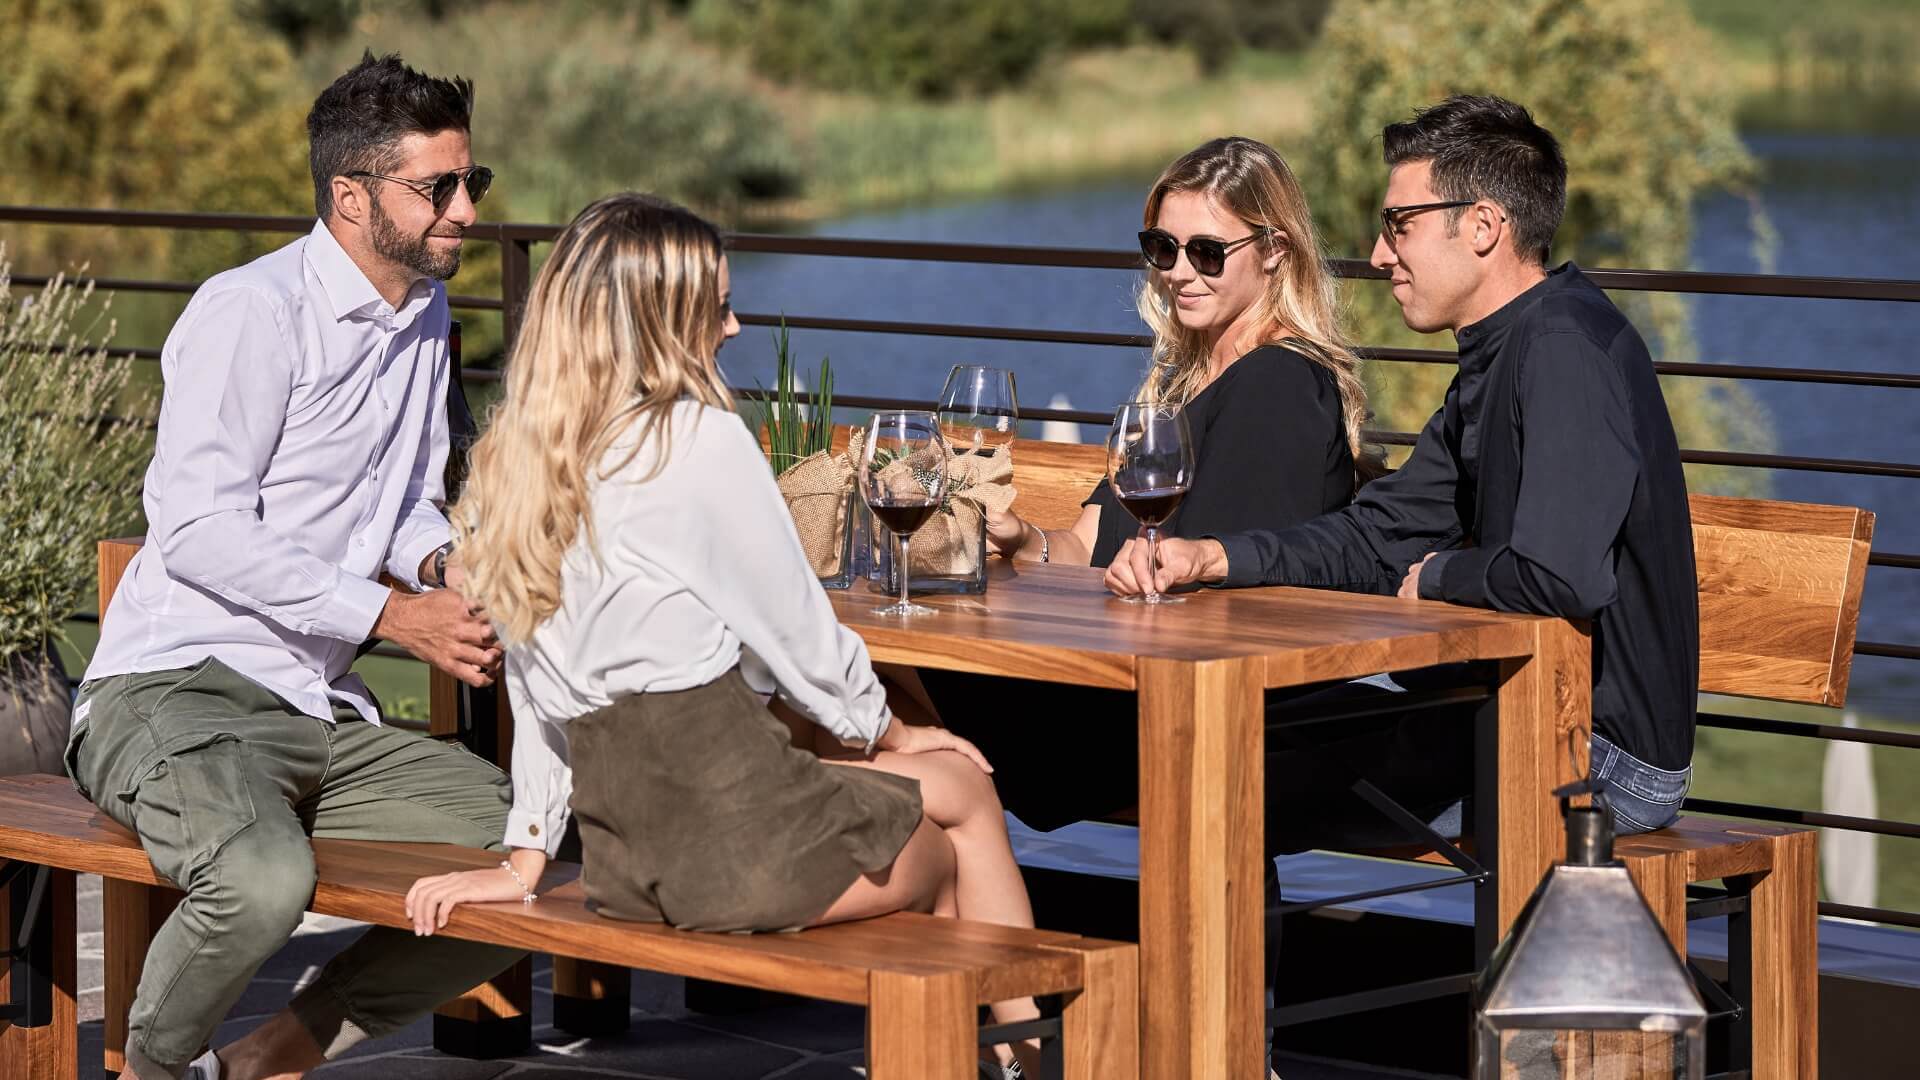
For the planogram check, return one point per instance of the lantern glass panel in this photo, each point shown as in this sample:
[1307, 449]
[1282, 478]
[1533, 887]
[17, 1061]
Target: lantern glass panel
[1572, 1054]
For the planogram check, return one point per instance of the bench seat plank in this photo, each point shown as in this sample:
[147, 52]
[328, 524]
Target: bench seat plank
[43, 820]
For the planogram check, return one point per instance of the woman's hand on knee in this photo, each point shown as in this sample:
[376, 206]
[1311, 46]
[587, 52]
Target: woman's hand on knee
[914, 739]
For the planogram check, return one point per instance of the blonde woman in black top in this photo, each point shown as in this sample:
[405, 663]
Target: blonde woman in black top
[1246, 337]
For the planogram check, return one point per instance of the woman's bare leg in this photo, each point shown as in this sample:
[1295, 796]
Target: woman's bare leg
[960, 799]
[921, 878]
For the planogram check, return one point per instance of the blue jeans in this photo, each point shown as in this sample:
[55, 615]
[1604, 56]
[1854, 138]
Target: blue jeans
[1643, 797]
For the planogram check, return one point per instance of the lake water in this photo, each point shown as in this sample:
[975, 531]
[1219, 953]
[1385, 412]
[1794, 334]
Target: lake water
[1842, 205]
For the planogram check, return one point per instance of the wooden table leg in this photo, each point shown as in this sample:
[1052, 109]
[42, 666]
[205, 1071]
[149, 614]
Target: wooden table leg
[131, 914]
[1545, 699]
[49, 1049]
[922, 1027]
[1100, 1027]
[492, 1020]
[1202, 820]
[590, 998]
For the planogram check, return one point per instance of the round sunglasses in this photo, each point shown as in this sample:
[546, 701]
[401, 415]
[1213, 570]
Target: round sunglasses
[1207, 255]
[440, 189]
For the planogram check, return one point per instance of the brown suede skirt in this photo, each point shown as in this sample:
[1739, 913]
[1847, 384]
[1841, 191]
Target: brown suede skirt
[696, 810]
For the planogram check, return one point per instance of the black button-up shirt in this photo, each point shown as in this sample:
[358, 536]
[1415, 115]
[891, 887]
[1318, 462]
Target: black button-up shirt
[1549, 482]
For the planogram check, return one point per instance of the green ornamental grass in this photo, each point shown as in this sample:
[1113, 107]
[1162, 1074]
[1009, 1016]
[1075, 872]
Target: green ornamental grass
[793, 429]
[72, 444]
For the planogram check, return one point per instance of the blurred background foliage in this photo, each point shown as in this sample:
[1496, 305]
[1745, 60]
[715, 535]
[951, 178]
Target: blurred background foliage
[1591, 72]
[762, 112]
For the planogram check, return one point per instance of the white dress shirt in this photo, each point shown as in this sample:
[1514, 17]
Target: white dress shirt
[300, 452]
[698, 569]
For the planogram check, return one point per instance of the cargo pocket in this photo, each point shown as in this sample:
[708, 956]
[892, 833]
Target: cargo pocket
[187, 799]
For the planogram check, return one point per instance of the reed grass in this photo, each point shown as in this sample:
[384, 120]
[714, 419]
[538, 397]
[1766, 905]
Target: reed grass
[793, 429]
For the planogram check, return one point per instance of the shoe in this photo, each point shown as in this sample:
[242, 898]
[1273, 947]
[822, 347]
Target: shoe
[204, 1067]
[991, 1070]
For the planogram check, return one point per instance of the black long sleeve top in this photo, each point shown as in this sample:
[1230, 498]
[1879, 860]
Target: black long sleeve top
[1270, 449]
[1548, 482]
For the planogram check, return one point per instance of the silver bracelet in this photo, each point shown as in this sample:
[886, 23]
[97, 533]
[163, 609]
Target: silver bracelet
[526, 894]
[1044, 546]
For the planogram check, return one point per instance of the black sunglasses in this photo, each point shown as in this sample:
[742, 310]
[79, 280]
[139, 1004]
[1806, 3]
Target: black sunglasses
[1208, 256]
[1392, 217]
[439, 190]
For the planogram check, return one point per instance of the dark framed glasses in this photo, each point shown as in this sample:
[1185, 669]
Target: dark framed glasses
[1207, 255]
[440, 189]
[1392, 217]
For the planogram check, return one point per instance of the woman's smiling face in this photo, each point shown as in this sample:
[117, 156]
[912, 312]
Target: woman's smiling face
[1211, 304]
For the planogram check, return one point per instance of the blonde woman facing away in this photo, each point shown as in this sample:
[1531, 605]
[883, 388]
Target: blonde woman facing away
[624, 532]
[1247, 341]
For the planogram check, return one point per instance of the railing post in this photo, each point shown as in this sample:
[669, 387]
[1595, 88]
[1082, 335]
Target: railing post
[516, 278]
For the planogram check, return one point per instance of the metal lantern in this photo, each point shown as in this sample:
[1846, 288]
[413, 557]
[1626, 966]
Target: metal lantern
[1586, 984]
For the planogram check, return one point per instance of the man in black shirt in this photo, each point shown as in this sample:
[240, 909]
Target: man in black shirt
[1549, 481]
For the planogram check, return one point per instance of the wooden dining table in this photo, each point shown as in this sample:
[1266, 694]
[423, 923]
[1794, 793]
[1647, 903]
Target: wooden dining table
[1201, 670]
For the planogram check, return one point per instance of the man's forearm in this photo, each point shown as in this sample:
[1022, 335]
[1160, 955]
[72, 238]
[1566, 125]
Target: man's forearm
[1213, 561]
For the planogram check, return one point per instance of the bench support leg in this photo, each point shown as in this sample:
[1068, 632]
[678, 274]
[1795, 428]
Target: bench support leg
[590, 998]
[492, 1020]
[1100, 1029]
[130, 915]
[1785, 973]
[922, 1027]
[41, 1041]
[1663, 884]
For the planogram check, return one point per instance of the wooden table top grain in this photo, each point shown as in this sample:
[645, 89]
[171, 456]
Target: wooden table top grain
[1059, 624]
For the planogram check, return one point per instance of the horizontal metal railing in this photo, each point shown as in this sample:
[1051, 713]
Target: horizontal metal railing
[516, 242]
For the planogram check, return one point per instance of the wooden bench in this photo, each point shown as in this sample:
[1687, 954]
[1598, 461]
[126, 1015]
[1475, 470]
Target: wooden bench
[921, 978]
[590, 986]
[1780, 587]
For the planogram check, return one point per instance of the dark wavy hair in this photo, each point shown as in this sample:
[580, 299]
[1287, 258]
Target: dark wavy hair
[1485, 147]
[357, 122]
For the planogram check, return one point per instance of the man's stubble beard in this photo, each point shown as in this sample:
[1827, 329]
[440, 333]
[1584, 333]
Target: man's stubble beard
[412, 252]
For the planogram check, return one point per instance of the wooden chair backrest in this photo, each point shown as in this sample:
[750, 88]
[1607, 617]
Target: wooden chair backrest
[1780, 587]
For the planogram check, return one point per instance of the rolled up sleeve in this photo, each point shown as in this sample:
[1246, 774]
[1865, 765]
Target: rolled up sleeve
[542, 789]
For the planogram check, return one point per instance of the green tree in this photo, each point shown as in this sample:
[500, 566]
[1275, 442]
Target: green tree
[1216, 29]
[922, 48]
[147, 104]
[1644, 129]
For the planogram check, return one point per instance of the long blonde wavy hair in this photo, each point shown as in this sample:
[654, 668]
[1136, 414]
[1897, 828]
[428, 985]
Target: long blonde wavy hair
[623, 321]
[1300, 307]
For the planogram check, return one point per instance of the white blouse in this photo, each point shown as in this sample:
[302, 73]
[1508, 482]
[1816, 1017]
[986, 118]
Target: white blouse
[699, 569]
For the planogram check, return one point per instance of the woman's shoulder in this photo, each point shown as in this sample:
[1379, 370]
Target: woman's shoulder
[696, 438]
[1273, 372]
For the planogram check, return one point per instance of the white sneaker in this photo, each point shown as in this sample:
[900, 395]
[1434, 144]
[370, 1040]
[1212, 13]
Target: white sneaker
[204, 1067]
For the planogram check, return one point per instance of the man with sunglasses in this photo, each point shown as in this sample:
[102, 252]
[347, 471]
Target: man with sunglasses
[1548, 482]
[300, 452]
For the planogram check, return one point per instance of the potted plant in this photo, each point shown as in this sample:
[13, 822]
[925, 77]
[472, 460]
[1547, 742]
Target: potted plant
[817, 485]
[72, 443]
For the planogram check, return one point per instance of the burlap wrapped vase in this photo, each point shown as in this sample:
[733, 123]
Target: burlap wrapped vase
[820, 495]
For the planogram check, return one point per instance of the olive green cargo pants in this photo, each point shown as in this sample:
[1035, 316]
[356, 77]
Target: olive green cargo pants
[224, 782]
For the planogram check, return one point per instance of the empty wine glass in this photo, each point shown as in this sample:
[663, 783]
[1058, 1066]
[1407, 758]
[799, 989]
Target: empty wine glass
[1150, 464]
[979, 412]
[903, 477]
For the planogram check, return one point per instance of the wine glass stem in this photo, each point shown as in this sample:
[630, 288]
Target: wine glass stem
[903, 571]
[1153, 565]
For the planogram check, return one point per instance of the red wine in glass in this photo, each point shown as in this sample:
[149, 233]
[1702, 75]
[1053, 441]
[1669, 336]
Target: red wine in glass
[1153, 506]
[903, 519]
[1150, 465]
[903, 478]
